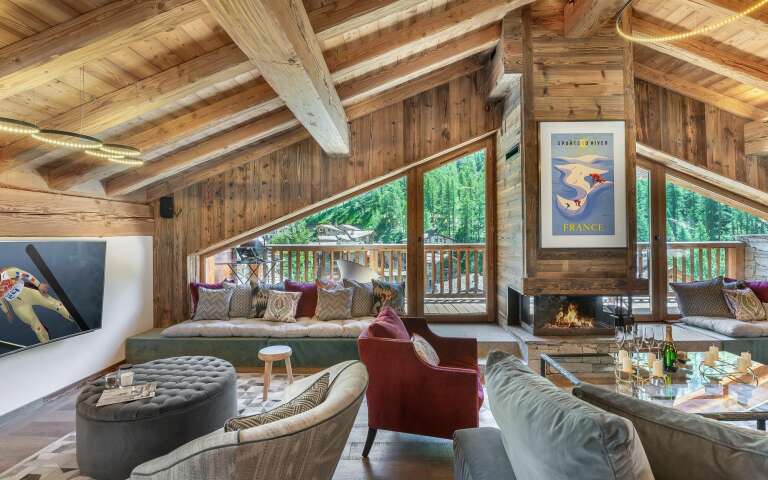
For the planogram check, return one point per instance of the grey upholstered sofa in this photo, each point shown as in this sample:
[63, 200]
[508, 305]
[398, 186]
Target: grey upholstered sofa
[596, 434]
[305, 446]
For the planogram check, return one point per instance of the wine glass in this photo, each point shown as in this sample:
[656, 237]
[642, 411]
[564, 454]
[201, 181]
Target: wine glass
[658, 339]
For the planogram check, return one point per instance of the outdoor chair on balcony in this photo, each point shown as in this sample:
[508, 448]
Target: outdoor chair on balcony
[355, 271]
[407, 395]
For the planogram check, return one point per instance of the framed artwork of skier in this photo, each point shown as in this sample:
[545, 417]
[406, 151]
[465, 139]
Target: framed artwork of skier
[49, 291]
[583, 185]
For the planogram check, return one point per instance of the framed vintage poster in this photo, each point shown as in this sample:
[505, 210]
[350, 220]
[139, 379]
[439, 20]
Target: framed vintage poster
[583, 185]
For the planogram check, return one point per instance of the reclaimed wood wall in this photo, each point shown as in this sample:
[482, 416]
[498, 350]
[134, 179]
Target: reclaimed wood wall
[698, 133]
[510, 224]
[567, 79]
[28, 213]
[292, 181]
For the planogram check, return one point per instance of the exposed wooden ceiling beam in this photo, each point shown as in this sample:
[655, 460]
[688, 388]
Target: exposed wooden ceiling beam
[49, 54]
[277, 36]
[583, 18]
[741, 67]
[698, 92]
[358, 90]
[703, 174]
[756, 137]
[372, 51]
[506, 65]
[271, 144]
[757, 21]
[220, 115]
[134, 100]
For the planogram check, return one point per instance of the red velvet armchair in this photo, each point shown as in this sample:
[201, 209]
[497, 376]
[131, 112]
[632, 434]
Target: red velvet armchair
[405, 394]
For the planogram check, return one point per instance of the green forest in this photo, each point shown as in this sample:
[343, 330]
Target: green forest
[454, 200]
[691, 217]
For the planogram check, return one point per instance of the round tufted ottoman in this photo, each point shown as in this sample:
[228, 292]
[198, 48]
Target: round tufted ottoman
[194, 396]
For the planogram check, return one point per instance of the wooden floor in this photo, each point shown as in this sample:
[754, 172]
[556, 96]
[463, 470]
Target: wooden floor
[453, 306]
[394, 455]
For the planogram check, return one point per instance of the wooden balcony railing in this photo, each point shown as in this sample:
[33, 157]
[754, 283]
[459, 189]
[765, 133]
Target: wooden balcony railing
[689, 261]
[451, 270]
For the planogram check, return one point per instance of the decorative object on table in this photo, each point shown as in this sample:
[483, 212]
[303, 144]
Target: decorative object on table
[715, 369]
[214, 303]
[313, 396]
[388, 294]
[669, 352]
[275, 353]
[703, 298]
[111, 381]
[281, 306]
[583, 185]
[125, 375]
[126, 394]
[744, 304]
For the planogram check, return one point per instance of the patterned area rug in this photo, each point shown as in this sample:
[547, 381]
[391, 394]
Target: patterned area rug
[58, 461]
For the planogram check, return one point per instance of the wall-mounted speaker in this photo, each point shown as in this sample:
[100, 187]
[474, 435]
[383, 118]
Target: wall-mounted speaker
[166, 207]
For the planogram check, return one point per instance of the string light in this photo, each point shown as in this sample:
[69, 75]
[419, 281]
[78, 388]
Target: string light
[120, 150]
[133, 162]
[683, 35]
[11, 125]
[60, 138]
[100, 154]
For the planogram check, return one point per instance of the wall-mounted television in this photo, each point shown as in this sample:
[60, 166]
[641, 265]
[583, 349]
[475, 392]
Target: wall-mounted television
[49, 291]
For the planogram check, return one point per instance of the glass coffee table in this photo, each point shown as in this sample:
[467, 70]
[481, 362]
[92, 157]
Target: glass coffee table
[720, 398]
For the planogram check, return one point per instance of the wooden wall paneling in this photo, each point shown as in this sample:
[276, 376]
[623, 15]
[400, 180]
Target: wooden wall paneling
[415, 263]
[756, 137]
[26, 213]
[628, 85]
[530, 150]
[282, 183]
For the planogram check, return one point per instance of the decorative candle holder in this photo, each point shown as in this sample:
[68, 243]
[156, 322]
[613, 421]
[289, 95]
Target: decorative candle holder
[721, 369]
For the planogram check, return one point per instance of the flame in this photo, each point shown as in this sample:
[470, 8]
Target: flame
[570, 318]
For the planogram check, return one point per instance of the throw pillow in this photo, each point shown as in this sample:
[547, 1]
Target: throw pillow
[213, 304]
[701, 299]
[313, 396]
[259, 296]
[388, 325]
[744, 305]
[240, 303]
[334, 304]
[329, 284]
[760, 287]
[281, 306]
[424, 350]
[194, 293]
[388, 294]
[362, 299]
[308, 301]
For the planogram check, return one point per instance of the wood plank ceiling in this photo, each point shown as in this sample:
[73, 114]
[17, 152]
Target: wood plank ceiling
[167, 78]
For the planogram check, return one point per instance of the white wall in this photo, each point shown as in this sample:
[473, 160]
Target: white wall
[32, 374]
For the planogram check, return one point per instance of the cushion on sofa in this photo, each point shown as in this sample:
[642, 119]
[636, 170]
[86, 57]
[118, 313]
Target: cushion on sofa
[282, 306]
[259, 328]
[308, 301]
[213, 304]
[478, 454]
[194, 291]
[728, 326]
[548, 433]
[334, 304]
[760, 287]
[683, 445]
[240, 303]
[362, 300]
[389, 325]
[260, 295]
[744, 304]
[703, 299]
[388, 294]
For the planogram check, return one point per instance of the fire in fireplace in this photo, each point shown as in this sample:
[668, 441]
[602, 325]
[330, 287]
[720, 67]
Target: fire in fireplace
[563, 314]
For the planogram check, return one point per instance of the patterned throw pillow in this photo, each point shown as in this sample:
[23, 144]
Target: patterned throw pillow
[259, 296]
[701, 299]
[213, 304]
[744, 305]
[334, 304]
[329, 284]
[281, 306]
[388, 294]
[362, 300]
[240, 303]
[313, 396]
[424, 350]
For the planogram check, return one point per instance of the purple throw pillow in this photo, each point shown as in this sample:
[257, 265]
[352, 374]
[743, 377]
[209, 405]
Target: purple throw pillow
[308, 301]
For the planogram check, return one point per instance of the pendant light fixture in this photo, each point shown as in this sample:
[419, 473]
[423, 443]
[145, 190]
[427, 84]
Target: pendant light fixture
[20, 127]
[120, 150]
[60, 138]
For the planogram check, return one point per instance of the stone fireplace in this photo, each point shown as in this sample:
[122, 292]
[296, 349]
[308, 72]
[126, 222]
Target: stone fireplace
[563, 314]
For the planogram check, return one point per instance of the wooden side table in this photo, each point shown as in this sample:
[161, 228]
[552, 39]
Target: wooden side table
[275, 353]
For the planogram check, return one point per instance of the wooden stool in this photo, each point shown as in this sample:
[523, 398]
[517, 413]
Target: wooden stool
[275, 353]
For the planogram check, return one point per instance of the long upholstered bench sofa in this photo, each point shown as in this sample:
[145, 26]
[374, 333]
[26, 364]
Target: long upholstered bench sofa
[315, 343]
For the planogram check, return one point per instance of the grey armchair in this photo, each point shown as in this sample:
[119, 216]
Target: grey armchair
[305, 446]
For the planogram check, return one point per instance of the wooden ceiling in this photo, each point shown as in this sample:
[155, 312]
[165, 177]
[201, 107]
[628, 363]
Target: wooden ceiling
[167, 77]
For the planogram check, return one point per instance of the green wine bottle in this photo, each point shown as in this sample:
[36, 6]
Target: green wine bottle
[669, 352]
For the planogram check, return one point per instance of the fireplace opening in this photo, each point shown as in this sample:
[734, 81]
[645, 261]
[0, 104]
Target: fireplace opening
[564, 314]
